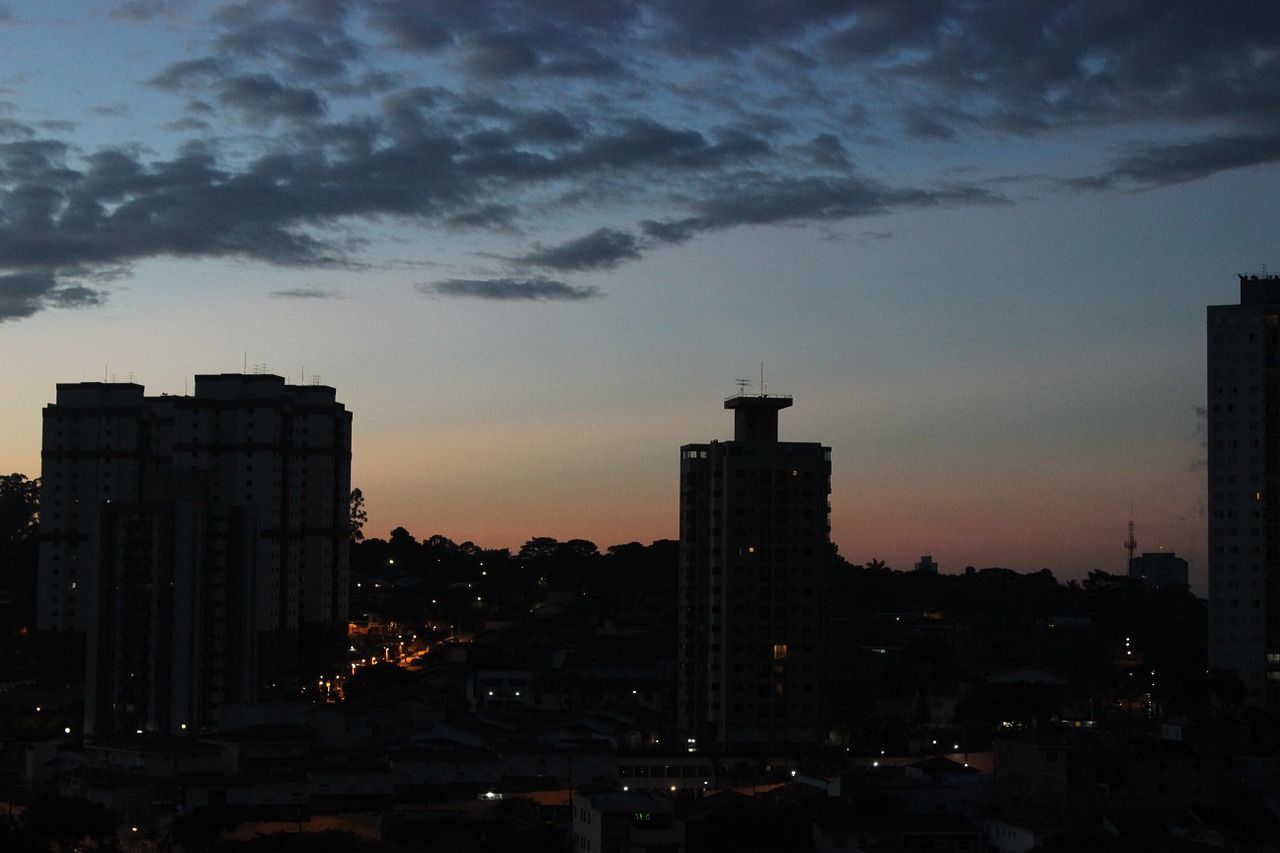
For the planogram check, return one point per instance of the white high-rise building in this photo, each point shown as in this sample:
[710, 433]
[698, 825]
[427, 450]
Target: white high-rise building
[1244, 487]
[193, 540]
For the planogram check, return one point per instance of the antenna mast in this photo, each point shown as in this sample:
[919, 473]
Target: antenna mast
[1131, 544]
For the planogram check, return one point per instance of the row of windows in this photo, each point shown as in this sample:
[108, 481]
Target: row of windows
[780, 587]
[1235, 639]
[1253, 584]
[1272, 551]
[771, 689]
[1234, 620]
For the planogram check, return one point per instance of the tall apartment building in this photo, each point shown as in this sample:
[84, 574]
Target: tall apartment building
[196, 542]
[754, 544]
[1244, 487]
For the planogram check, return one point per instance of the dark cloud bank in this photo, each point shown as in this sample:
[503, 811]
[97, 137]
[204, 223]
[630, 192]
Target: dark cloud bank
[542, 107]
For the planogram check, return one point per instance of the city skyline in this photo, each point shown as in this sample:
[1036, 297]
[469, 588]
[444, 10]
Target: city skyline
[534, 245]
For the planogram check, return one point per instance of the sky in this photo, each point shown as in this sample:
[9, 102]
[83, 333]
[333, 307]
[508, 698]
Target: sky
[534, 244]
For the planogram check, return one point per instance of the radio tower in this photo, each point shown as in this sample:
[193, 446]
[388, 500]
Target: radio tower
[1130, 544]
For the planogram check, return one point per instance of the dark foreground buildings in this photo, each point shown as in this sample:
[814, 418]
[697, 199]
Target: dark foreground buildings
[1244, 487]
[198, 543]
[754, 541]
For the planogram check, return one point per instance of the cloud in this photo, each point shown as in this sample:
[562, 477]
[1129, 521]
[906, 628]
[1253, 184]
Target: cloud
[926, 126]
[305, 293]
[142, 11]
[1027, 67]
[24, 294]
[769, 201]
[719, 26]
[262, 98]
[412, 26]
[116, 110]
[647, 142]
[310, 49]
[311, 124]
[826, 151]
[603, 248]
[511, 290]
[676, 231]
[549, 27]
[546, 126]
[179, 75]
[1171, 164]
[498, 55]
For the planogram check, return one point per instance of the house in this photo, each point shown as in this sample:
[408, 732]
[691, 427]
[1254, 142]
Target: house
[607, 821]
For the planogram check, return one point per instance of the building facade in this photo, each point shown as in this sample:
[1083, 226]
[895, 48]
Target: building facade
[754, 544]
[1244, 487]
[197, 543]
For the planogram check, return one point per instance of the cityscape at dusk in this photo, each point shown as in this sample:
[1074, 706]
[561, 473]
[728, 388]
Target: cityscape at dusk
[535, 244]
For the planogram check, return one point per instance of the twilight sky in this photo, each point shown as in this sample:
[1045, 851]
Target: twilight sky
[533, 244]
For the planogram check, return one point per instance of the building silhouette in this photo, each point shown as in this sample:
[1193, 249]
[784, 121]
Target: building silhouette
[1244, 487]
[1159, 568]
[754, 543]
[197, 543]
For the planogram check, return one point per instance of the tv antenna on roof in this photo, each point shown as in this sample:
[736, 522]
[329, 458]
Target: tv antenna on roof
[743, 385]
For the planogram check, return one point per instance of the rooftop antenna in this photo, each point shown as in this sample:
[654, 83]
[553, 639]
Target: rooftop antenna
[1131, 544]
[764, 389]
[743, 385]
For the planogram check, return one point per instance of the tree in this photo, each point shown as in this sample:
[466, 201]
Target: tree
[539, 548]
[14, 838]
[376, 678]
[402, 539]
[358, 516]
[750, 825]
[68, 820]
[1228, 688]
[19, 522]
[514, 825]
[201, 829]
[19, 508]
